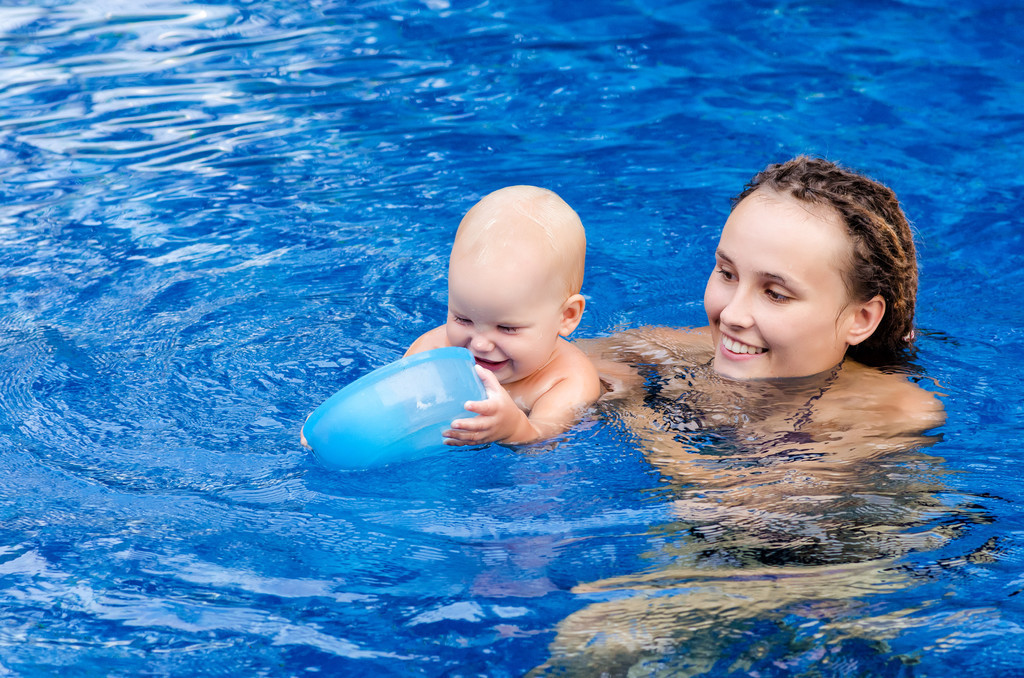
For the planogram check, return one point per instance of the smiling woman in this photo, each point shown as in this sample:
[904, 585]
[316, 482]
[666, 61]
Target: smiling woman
[815, 277]
[777, 301]
[768, 433]
[810, 307]
[814, 264]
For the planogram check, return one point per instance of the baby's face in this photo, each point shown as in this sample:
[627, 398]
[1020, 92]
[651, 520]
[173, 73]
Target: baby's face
[507, 313]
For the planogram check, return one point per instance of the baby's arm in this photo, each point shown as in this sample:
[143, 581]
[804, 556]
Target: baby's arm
[499, 418]
[502, 419]
[561, 406]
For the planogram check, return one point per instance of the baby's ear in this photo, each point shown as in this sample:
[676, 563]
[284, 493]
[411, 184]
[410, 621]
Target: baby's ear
[572, 314]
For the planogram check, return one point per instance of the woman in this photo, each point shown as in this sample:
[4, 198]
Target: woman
[815, 280]
[777, 429]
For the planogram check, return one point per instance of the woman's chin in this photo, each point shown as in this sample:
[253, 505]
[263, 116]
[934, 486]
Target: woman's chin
[741, 366]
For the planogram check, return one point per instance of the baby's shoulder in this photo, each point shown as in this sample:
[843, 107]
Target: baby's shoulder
[435, 338]
[571, 362]
[569, 377]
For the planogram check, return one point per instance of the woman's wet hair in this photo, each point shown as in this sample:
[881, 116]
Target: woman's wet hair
[883, 256]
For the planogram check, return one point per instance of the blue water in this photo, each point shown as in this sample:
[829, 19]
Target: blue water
[213, 216]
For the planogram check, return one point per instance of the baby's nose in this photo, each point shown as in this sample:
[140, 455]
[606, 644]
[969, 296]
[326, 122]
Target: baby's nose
[481, 343]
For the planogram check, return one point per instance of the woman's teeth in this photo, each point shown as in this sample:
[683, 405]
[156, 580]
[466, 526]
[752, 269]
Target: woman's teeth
[737, 347]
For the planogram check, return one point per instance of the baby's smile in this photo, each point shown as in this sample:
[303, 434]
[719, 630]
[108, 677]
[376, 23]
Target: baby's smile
[492, 365]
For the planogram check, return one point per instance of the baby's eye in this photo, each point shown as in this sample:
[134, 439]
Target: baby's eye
[508, 329]
[462, 321]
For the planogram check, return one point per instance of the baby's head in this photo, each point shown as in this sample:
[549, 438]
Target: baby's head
[514, 277]
[882, 260]
[523, 223]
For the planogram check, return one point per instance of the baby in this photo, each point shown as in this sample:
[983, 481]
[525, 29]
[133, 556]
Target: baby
[514, 280]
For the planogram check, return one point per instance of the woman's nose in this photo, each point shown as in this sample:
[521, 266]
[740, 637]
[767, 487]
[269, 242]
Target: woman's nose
[737, 312]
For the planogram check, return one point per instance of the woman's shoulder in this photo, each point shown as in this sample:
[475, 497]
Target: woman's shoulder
[651, 344]
[887, 401]
[615, 355]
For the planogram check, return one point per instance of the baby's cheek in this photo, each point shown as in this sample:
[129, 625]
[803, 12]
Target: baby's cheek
[454, 334]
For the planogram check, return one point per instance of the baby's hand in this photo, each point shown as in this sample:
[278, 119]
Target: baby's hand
[498, 417]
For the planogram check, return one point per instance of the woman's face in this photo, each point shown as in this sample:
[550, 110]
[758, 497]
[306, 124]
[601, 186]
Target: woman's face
[776, 300]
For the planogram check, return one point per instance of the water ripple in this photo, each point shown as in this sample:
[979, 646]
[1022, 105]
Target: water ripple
[212, 216]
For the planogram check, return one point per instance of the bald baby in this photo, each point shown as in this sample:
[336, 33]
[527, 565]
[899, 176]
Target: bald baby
[514, 280]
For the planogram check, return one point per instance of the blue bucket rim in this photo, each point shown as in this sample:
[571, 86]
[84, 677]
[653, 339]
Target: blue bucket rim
[385, 371]
[415, 359]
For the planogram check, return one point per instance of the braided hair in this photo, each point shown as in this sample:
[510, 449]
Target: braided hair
[883, 260]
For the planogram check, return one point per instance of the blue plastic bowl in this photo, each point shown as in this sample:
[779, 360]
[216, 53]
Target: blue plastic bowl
[396, 412]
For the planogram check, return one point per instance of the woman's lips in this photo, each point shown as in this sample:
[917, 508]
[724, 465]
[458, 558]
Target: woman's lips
[739, 348]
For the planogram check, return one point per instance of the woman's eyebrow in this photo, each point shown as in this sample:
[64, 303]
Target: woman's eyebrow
[774, 277]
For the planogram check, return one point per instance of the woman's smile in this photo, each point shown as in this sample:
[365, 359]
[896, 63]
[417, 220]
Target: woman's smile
[776, 302]
[738, 347]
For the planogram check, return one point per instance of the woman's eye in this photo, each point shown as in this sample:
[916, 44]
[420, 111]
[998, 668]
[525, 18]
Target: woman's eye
[726, 275]
[775, 296]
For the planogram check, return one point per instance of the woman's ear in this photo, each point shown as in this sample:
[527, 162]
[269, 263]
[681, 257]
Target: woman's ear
[572, 314]
[865, 319]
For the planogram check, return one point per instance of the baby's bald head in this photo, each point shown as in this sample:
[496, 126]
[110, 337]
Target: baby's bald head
[525, 222]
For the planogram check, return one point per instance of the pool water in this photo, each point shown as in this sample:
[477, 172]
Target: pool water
[213, 216]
